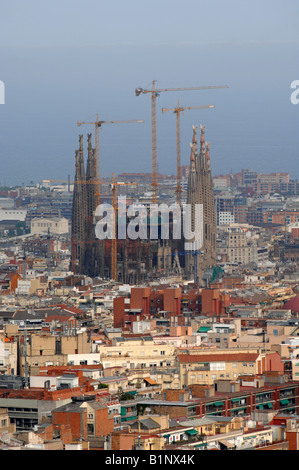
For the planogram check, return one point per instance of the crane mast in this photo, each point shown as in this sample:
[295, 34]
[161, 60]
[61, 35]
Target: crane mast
[177, 111]
[154, 93]
[154, 147]
[97, 124]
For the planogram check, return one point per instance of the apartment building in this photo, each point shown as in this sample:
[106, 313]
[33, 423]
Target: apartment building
[8, 352]
[137, 353]
[28, 407]
[45, 349]
[205, 368]
[5, 423]
[257, 396]
[86, 417]
[236, 246]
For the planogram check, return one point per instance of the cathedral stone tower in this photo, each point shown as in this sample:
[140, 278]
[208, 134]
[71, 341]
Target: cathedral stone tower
[91, 188]
[78, 234]
[200, 191]
[88, 253]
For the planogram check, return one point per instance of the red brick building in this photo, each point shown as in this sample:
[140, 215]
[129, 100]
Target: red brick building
[213, 302]
[146, 302]
[291, 426]
[85, 416]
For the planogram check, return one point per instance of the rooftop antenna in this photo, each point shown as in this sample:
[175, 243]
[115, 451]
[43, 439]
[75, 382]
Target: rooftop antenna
[24, 264]
[25, 356]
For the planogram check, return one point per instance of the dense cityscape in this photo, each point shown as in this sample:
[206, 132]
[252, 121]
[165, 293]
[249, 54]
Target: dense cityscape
[149, 229]
[169, 362]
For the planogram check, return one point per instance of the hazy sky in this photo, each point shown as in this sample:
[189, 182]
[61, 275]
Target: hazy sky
[64, 61]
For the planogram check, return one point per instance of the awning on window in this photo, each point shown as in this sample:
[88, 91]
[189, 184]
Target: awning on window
[227, 444]
[218, 403]
[284, 402]
[203, 329]
[151, 381]
[130, 418]
[191, 432]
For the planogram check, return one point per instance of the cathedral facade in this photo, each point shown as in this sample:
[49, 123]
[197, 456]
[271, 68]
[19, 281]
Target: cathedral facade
[141, 260]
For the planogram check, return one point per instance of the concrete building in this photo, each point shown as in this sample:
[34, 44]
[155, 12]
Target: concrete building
[225, 218]
[5, 424]
[29, 286]
[256, 395]
[8, 355]
[207, 367]
[47, 349]
[12, 215]
[55, 226]
[137, 353]
[29, 407]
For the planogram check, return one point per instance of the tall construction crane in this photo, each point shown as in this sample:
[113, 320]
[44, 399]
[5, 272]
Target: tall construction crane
[154, 93]
[97, 124]
[177, 111]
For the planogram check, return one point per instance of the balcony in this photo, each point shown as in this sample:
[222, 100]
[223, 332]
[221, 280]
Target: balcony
[262, 398]
[287, 393]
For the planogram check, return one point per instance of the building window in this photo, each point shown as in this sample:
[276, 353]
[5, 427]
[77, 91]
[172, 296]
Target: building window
[90, 428]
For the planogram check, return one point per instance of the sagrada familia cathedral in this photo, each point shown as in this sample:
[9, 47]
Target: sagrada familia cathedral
[139, 260]
[200, 191]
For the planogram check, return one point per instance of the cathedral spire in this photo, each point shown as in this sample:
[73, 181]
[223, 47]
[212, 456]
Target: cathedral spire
[90, 177]
[90, 170]
[202, 151]
[202, 136]
[81, 159]
[200, 192]
[193, 146]
[208, 154]
[194, 138]
[78, 211]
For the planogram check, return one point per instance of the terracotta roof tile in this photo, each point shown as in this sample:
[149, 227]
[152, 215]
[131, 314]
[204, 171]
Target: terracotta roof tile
[221, 357]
